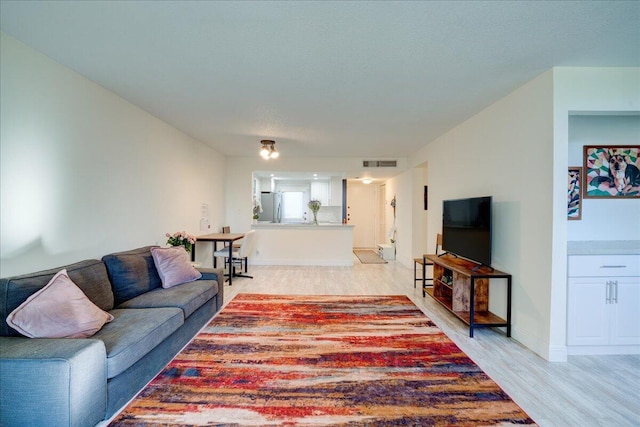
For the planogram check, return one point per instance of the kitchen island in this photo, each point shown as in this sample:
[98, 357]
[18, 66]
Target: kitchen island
[326, 244]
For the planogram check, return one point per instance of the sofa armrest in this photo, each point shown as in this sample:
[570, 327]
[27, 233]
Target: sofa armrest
[218, 275]
[53, 382]
[212, 274]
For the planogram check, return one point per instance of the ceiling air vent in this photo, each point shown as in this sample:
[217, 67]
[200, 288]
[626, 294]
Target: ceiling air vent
[379, 163]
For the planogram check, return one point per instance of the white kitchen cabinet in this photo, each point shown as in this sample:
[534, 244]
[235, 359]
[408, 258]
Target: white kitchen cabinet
[320, 191]
[603, 313]
[329, 192]
[625, 328]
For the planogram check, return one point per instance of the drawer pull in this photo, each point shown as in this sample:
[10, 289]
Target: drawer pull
[613, 266]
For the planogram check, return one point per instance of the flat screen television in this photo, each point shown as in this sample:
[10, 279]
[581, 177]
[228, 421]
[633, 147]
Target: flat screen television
[466, 228]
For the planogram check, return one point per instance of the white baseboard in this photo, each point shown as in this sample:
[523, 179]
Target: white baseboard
[585, 350]
[530, 339]
[558, 353]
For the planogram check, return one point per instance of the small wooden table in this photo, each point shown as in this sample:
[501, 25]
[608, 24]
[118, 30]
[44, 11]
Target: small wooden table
[215, 238]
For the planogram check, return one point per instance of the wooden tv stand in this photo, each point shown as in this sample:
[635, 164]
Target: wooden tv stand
[463, 288]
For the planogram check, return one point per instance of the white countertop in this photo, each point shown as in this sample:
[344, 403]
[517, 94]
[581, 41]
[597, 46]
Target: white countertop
[603, 247]
[294, 226]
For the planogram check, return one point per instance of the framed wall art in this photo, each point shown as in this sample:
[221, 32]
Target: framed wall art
[611, 171]
[574, 193]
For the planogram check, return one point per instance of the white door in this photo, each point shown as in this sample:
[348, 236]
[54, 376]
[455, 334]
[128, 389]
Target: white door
[361, 213]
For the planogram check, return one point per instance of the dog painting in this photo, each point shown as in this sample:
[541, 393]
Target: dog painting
[612, 171]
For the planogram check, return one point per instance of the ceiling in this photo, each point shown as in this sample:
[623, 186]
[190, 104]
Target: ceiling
[347, 79]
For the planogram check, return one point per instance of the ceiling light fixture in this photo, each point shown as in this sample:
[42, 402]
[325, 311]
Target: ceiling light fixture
[367, 181]
[268, 150]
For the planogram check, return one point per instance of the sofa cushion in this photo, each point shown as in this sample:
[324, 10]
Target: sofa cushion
[173, 265]
[132, 273]
[90, 276]
[59, 310]
[187, 297]
[134, 333]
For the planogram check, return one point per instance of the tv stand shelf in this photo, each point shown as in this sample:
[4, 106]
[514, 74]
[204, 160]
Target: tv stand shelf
[463, 288]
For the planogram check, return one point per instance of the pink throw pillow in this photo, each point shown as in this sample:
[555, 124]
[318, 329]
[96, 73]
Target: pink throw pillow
[59, 310]
[173, 265]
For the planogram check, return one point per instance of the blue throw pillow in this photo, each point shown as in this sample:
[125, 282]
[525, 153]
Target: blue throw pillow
[131, 273]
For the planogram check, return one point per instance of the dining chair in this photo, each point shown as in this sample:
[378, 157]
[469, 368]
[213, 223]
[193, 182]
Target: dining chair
[237, 243]
[240, 255]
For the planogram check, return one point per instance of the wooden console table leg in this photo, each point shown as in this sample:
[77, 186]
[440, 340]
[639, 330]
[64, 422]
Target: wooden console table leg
[424, 280]
[509, 306]
[215, 248]
[471, 305]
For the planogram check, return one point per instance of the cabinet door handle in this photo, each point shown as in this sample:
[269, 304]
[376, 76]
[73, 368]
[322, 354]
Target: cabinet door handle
[613, 266]
[614, 286]
[608, 292]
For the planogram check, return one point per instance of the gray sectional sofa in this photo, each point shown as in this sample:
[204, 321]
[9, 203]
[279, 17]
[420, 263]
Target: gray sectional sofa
[80, 382]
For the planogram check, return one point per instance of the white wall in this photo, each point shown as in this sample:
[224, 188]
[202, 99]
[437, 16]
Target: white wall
[419, 178]
[411, 218]
[604, 219]
[413, 223]
[84, 173]
[578, 91]
[506, 151]
[517, 150]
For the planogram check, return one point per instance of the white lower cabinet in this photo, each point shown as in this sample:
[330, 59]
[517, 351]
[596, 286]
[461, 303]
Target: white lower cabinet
[625, 319]
[588, 314]
[603, 313]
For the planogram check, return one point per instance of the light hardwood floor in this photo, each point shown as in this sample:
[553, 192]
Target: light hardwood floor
[585, 391]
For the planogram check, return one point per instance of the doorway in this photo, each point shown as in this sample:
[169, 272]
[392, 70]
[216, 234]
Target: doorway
[362, 213]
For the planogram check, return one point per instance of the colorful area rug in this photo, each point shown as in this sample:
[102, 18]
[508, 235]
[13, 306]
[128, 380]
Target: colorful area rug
[368, 256]
[269, 360]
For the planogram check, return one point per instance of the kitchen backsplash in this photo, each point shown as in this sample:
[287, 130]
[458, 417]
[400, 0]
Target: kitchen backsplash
[329, 214]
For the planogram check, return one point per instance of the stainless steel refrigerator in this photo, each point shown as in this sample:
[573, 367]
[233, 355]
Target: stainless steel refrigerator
[271, 207]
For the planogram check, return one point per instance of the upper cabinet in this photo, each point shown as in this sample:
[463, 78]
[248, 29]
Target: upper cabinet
[329, 192]
[267, 185]
[320, 190]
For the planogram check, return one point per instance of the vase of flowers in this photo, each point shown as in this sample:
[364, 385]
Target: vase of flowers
[257, 208]
[181, 238]
[314, 205]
